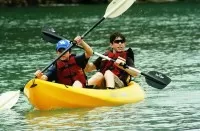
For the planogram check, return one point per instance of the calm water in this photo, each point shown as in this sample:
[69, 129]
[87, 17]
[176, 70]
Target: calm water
[164, 37]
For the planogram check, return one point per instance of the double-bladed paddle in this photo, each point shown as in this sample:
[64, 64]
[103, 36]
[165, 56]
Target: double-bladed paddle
[114, 9]
[153, 78]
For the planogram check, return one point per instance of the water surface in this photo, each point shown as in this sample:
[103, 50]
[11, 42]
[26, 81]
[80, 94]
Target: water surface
[164, 37]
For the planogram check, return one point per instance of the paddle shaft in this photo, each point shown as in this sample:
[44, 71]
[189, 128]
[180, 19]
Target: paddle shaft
[153, 78]
[114, 9]
[133, 69]
[110, 59]
[43, 70]
[95, 25]
[86, 33]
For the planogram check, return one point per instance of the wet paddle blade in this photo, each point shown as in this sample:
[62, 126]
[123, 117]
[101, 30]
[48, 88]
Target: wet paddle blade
[49, 35]
[9, 99]
[117, 7]
[114, 9]
[157, 79]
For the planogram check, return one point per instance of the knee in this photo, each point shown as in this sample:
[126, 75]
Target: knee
[108, 73]
[99, 75]
[96, 79]
[77, 84]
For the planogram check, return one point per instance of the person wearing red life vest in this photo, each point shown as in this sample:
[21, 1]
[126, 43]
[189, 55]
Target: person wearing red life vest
[69, 69]
[112, 74]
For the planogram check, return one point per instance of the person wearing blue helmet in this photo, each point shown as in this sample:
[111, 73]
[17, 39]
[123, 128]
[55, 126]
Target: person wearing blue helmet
[69, 69]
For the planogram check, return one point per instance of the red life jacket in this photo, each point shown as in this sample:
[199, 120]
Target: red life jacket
[69, 71]
[109, 65]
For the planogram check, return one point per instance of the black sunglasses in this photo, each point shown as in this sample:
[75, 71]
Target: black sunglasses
[63, 49]
[118, 41]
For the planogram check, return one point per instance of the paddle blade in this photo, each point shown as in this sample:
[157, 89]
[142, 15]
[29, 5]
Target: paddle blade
[9, 99]
[157, 79]
[49, 35]
[117, 7]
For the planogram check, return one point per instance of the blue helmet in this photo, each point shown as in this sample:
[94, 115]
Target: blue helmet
[62, 44]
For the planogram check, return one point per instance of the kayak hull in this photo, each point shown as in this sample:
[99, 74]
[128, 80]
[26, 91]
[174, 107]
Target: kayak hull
[46, 95]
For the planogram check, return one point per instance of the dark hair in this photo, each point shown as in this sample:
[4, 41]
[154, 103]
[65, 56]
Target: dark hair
[115, 35]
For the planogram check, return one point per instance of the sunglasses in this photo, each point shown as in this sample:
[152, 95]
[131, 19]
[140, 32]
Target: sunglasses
[118, 41]
[62, 49]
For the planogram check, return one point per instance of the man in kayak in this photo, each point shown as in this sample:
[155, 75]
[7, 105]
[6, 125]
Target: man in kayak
[69, 69]
[113, 74]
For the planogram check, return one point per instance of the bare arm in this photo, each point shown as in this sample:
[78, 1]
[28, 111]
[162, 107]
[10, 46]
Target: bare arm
[86, 47]
[90, 67]
[40, 75]
[120, 62]
[129, 71]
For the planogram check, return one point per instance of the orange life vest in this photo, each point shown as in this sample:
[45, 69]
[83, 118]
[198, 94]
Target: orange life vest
[69, 71]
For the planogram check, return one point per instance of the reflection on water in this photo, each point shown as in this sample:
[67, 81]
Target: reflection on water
[63, 119]
[96, 118]
[164, 37]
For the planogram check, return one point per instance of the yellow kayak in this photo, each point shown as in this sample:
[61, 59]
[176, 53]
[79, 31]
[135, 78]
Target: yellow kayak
[46, 95]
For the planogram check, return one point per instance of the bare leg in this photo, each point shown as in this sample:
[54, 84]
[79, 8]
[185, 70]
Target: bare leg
[109, 78]
[96, 79]
[118, 83]
[77, 84]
